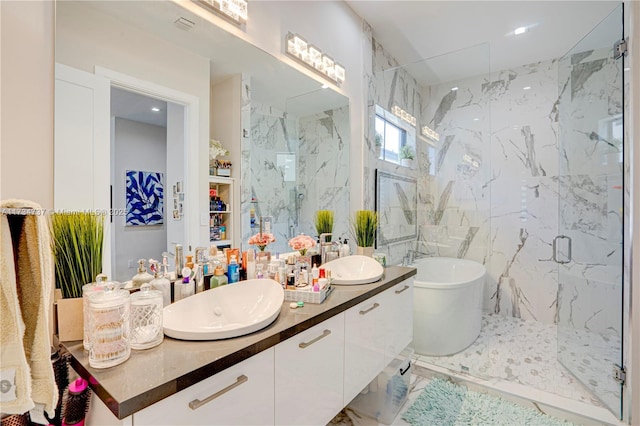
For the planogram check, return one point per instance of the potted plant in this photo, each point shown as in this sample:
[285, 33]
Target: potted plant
[215, 149]
[77, 241]
[364, 226]
[378, 142]
[324, 222]
[406, 155]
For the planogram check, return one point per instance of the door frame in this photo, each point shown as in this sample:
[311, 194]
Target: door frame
[191, 105]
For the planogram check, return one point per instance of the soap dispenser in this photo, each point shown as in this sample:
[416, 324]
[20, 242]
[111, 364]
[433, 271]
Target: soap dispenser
[160, 282]
[345, 250]
[142, 276]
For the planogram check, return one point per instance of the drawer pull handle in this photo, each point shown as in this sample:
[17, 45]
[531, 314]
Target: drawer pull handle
[196, 403]
[406, 287]
[375, 305]
[323, 335]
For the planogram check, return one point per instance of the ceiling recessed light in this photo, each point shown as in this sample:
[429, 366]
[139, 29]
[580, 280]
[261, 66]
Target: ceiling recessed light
[325, 86]
[520, 30]
[155, 109]
[476, 119]
[526, 88]
[453, 89]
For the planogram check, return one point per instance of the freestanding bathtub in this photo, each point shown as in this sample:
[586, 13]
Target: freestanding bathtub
[447, 305]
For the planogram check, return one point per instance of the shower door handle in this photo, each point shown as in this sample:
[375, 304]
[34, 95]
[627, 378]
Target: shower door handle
[555, 249]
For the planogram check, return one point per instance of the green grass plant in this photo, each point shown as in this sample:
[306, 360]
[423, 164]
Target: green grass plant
[324, 222]
[77, 241]
[364, 224]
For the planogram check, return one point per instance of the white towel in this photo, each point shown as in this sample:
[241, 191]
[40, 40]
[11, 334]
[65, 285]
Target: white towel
[27, 279]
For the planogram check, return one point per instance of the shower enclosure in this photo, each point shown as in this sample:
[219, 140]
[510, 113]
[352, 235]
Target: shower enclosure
[522, 169]
[589, 245]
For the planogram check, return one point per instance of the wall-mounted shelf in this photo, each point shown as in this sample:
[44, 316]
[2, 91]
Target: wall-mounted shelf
[221, 227]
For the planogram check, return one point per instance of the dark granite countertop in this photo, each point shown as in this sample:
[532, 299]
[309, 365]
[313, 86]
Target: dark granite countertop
[151, 375]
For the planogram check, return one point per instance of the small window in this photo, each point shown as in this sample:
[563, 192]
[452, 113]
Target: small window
[391, 138]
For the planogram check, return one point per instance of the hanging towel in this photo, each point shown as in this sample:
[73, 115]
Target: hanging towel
[32, 279]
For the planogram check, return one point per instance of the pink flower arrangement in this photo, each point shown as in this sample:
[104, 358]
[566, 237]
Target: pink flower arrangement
[302, 243]
[261, 240]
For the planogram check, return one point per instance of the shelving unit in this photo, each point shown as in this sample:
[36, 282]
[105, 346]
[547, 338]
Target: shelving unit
[221, 227]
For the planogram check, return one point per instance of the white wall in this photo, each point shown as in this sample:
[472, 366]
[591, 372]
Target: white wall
[138, 146]
[26, 109]
[175, 171]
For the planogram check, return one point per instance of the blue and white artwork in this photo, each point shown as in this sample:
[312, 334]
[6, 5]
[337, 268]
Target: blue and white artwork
[145, 198]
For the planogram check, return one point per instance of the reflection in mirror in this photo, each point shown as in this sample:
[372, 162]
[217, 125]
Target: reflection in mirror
[212, 83]
[442, 106]
[295, 163]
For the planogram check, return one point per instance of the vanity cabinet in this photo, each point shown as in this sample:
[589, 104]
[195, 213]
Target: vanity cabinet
[309, 374]
[221, 229]
[398, 318]
[364, 344]
[239, 395]
[376, 331]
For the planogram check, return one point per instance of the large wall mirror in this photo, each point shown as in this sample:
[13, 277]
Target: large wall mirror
[143, 86]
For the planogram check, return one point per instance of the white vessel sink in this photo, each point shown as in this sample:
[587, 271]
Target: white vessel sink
[228, 311]
[355, 269]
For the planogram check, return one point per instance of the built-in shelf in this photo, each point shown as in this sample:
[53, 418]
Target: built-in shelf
[223, 187]
[226, 211]
[220, 242]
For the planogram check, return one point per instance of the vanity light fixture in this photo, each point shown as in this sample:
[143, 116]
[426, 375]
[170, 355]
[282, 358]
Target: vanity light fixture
[236, 10]
[404, 115]
[311, 56]
[429, 133]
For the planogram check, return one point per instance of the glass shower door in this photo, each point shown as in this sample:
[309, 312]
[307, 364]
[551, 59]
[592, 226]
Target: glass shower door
[589, 247]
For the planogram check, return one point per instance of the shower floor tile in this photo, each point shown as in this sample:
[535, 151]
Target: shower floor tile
[526, 352]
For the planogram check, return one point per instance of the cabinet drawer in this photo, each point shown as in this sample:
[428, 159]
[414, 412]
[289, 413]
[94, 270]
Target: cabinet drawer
[309, 372]
[364, 345]
[221, 399]
[399, 318]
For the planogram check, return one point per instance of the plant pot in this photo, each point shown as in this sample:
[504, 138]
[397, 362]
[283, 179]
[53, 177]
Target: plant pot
[378, 151]
[364, 251]
[69, 318]
[406, 162]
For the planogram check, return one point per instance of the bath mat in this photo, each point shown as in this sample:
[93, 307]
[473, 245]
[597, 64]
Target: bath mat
[443, 403]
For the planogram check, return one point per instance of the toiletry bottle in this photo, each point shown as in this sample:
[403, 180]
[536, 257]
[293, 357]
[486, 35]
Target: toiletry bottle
[345, 250]
[189, 263]
[232, 270]
[259, 273]
[187, 287]
[142, 276]
[161, 283]
[219, 278]
[282, 273]
[315, 274]
[179, 260]
[251, 265]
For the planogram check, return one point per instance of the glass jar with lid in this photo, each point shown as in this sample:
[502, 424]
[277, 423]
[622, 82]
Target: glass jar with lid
[87, 289]
[109, 326]
[146, 318]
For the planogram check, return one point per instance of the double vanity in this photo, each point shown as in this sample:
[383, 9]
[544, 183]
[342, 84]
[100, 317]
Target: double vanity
[301, 369]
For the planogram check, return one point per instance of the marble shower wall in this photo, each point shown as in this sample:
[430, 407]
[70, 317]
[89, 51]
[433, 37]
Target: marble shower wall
[324, 169]
[495, 194]
[390, 85]
[264, 188]
[320, 179]
[591, 198]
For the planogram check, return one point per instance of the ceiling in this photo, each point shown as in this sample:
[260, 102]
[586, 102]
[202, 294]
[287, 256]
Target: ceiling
[137, 107]
[416, 30]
